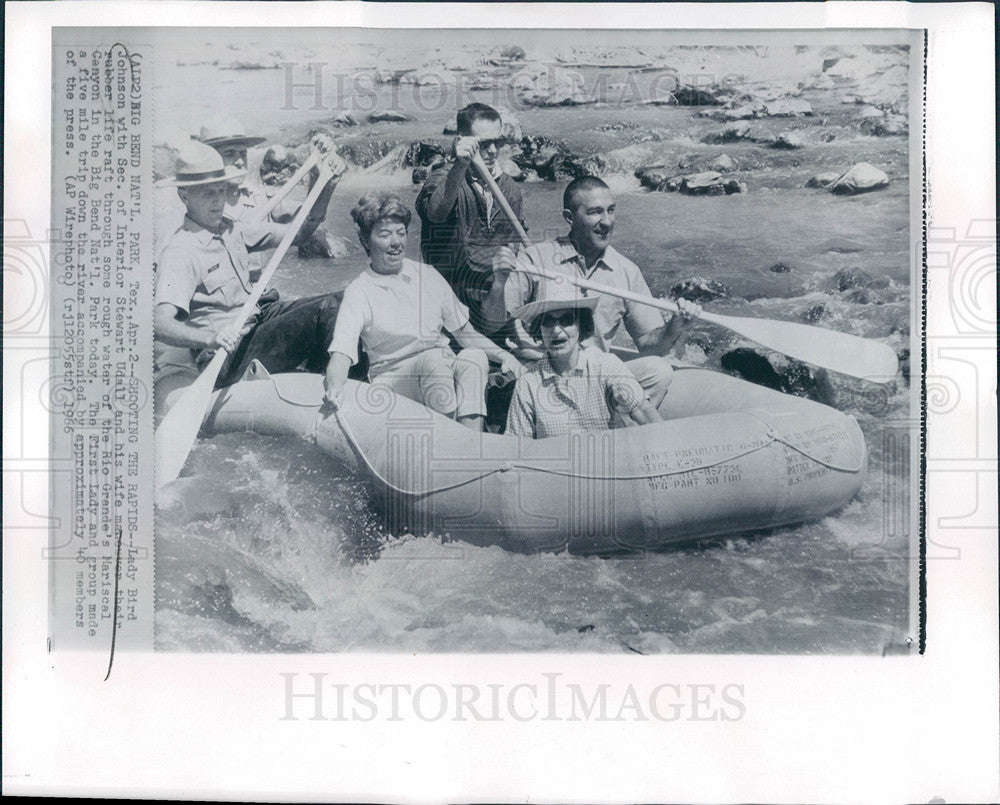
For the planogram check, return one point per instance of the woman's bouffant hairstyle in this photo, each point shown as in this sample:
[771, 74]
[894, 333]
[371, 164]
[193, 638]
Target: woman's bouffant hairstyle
[584, 320]
[375, 206]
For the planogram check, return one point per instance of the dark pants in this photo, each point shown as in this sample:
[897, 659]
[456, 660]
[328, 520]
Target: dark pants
[287, 335]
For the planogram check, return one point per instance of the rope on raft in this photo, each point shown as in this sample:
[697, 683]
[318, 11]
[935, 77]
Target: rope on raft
[771, 437]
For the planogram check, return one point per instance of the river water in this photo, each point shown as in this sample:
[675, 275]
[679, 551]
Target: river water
[277, 549]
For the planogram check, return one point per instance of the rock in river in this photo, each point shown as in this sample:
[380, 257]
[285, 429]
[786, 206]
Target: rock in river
[388, 117]
[723, 163]
[548, 85]
[710, 183]
[862, 178]
[729, 134]
[653, 176]
[700, 290]
[702, 95]
[788, 107]
[824, 179]
[278, 164]
[849, 278]
[788, 140]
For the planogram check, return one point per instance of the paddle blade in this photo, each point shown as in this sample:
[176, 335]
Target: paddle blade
[840, 352]
[178, 430]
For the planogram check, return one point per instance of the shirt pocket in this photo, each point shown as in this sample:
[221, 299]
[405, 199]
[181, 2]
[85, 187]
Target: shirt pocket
[222, 287]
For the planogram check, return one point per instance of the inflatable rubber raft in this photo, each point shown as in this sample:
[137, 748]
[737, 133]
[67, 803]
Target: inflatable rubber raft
[733, 456]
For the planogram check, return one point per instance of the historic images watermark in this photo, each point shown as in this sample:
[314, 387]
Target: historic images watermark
[316, 87]
[320, 696]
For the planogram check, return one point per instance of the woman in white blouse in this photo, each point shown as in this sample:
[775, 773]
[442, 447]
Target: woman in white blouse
[400, 309]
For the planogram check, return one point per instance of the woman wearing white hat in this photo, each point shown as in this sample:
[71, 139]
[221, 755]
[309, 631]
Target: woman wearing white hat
[573, 387]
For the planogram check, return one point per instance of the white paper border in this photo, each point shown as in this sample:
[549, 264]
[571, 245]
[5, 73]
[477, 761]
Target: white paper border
[817, 729]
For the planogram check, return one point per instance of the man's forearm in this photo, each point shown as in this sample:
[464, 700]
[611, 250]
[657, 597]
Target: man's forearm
[659, 341]
[177, 333]
[316, 216]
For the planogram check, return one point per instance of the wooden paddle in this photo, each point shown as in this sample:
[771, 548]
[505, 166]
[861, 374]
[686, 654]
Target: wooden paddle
[831, 349]
[177, 432]
[287, 187]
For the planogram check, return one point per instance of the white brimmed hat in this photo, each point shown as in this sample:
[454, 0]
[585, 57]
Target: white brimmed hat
[556, 294]
[228, 131]
[201, 164]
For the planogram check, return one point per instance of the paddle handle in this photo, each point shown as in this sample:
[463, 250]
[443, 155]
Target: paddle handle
[487, 177]
[501, 199]
[287, 187]
[597, 287]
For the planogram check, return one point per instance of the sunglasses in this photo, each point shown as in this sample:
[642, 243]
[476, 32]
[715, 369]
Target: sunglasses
[565, 319]
[497, 142]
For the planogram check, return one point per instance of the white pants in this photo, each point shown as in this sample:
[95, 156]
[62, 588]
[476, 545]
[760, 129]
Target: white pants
[453, 385]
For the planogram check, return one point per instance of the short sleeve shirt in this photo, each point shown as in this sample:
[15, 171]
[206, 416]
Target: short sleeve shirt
[613, 269]
[396, 315]
[546, 404]
[209, 275]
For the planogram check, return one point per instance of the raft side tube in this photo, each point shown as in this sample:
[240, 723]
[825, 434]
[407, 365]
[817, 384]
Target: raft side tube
[770, 460]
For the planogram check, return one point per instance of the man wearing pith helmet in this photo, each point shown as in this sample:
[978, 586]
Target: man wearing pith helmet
[205, 276]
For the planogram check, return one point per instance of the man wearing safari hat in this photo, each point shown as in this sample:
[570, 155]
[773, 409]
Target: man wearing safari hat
[573, 387]
[586, 252]
[228, 136]
[204, 277]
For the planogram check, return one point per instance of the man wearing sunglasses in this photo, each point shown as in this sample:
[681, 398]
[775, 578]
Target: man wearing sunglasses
[462, 225]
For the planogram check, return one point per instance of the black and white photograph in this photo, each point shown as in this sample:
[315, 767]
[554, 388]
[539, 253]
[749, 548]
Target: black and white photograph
[653, 301]
[475, 402]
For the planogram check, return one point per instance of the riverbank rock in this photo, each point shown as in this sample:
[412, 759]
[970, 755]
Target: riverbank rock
[824, 179]
[788, 140]
[788, 107]
[861, 178]
[703, 94]
[366, 152]
[728, 134]
[388, 117]
[700, 290]
[506, 55]
[547, 86]
[343, 120]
